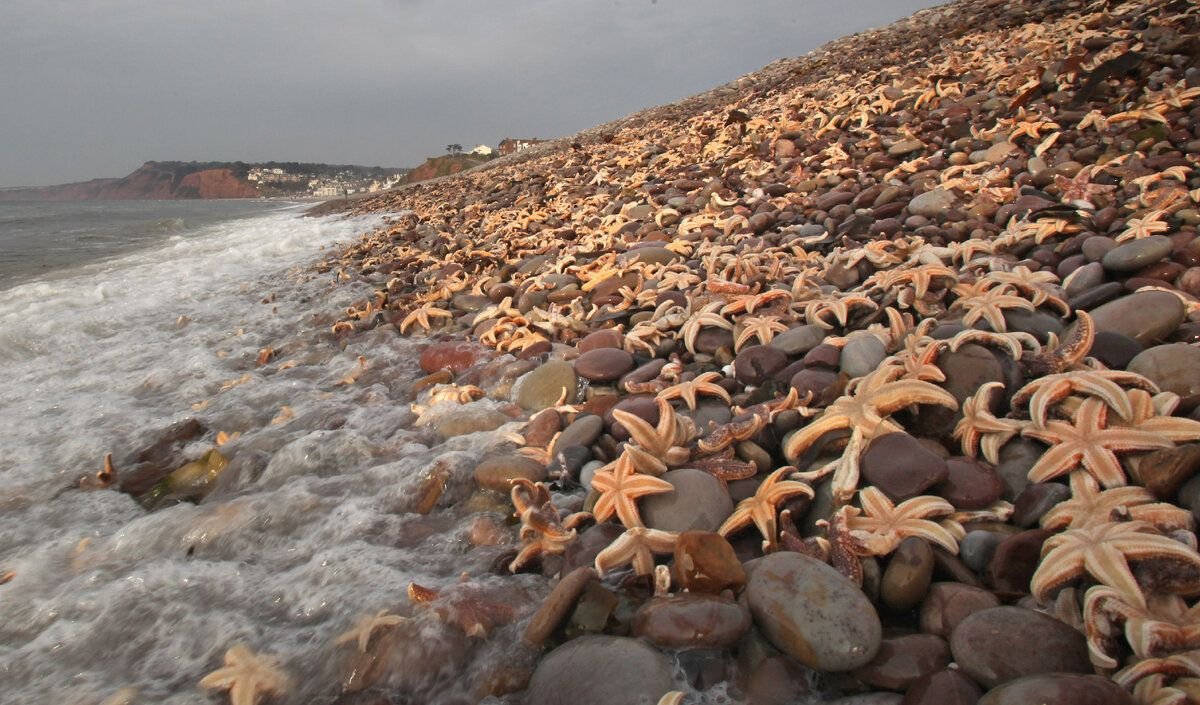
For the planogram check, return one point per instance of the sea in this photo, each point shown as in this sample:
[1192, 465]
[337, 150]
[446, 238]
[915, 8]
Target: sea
[120, 320]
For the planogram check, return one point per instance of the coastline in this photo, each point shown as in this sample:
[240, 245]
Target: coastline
[870, 373]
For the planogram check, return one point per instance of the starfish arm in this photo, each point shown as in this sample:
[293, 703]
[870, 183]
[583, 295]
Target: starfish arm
[1103, 464]
[1106, 563]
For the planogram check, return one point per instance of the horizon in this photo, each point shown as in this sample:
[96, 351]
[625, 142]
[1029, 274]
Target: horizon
[97, 89]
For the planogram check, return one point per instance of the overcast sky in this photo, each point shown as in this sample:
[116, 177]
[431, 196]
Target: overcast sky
[93, 88]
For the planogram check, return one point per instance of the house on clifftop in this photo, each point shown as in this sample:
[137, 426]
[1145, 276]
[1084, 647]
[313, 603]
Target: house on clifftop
[509, 145]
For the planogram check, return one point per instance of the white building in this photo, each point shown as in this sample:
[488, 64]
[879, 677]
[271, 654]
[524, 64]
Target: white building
[482, 150]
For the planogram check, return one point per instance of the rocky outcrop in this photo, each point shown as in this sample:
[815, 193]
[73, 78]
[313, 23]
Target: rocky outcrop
[151, 181]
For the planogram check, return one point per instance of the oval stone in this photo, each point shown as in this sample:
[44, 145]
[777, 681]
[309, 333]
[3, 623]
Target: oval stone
[601, 670]
[1059, 689]
[691, 621]
[699, 502]
[901, 467]
[906, 578]
[812, 613]
[1147, 316]
[705, 562]
[970, 484]
[497, 472]
[1001, 644]
[453, 355]
[544, 386]
[903, 660]
[948, 604]
[603, 364]
[1174, 368]
[1132, 256]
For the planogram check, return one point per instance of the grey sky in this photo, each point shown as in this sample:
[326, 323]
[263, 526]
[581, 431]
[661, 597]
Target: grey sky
[93, 88]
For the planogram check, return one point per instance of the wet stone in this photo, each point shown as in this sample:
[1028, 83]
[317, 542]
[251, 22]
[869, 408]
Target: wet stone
[1001, 644]
[1135, 254]
[601, 670]
[603, 364]
[799, 340]
[755, 365]
[947, 604]
[945, 687]
[969, 484]
[705, 562]
[699, 502]
[497, 472]
[1035, 500]
[1059, 689]
[583, 431]
[977, 547]
[606, 338]
[812, 613]
[687, 621]
[541, 428]
[454, 355]
[558, 605]
[1015, 560]
[862, 354]
[591, 541]
[1164, 472]
[544, 386]
[901, 467]
[901, 661]
[1174, 368]
[907, 576]
[1147, 316]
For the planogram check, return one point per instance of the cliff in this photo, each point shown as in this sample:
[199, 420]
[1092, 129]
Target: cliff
[151, 181]
[442, 166]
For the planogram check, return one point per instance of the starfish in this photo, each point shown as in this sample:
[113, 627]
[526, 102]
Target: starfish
[990, 306]
[1104, 551]
[1013, 343]
[246, 676]
[619, 487]
[1089, 506]
[920, 278]
[636, 547]
[1147, 418]
[881, 525]
[980, 428]
[420, 316]
[1088, 443]
[691, 328]
[864, 412]
[542, 532]
[839, 306]
[760, 328]
[366, 627]
[760, 509]
[1163, 624]
[1185, 664]
[1067, 353]
[1043, 393]
[1080, 191]
[657, 447]
[1147, 225]
[702, 384]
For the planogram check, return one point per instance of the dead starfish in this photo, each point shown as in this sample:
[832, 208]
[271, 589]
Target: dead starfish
[620, 486]
[760, 509]
[247, 676]
[366, 627]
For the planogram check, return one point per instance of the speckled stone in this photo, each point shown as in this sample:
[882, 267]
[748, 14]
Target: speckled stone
[1001, 644]
[906, 578]
[601, 670]
[691, 621]
[901, 661]
[699, 503]
[544, 386]
[812, 613]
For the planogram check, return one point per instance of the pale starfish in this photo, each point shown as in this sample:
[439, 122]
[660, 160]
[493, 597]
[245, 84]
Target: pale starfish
[542, 532]
[864, 413]
[881, 525]
[247, 676]
[1185, 663]
[702, 384]
[760, 328]
[1087, 442]
[636, 547]
[1104, 552]
[420, 316]
[979, 428]
[619, 487]
[1065, 354]
[760, 509]
[366, 626]
[990, 306]
[840, 306]
[657, 447]
[1041, 394]
[1089, 506]
[1163, 624]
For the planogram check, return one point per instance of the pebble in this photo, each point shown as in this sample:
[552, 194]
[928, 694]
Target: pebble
[558, 605]
[544, 386]
[1015, 560]
[799, 340]
[1001, 644]
[1016, 458]
[812, 613]
[947, 604]
[970, 484]
[901, 661]
[603, 364]
[698, 503]
[601, 670]
[1164, 472]
[1148, 316]
[583, 431]
[705, 562]
[862, 354]
[591, 541]
[901, 467]
[541, 428]
[1116, 351]
[948, 686]
[454, 355]
[906, 578]
[932, 203]
[1086, 277]
[757, 364]
[976, 548]
[496, 472]
[1174, 368]
[688, 621]
[469, 421]
[1035, 500]
[1059, 689]
[1135, 254]
[604, 338]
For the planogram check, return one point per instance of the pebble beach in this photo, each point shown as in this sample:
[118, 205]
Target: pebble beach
[870, 378]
